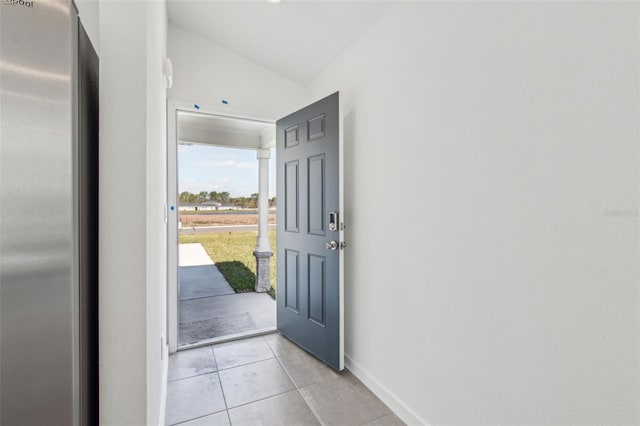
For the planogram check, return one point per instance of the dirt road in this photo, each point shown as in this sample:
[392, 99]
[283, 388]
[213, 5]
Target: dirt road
[221, 219]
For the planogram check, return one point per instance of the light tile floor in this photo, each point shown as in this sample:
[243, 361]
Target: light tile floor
[266, 380]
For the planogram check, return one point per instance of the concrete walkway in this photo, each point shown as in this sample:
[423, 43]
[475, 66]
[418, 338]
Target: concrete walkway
[193, 255]
[199, 277]
[208, 306]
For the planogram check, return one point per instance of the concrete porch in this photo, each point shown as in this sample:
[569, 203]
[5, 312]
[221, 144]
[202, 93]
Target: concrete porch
[208, 307]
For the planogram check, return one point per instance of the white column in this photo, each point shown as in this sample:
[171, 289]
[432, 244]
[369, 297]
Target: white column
[262, 244]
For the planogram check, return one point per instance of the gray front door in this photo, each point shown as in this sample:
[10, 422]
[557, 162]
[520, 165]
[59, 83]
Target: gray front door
[308, 251]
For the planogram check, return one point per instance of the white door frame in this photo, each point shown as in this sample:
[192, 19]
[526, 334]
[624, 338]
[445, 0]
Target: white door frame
[173, 106]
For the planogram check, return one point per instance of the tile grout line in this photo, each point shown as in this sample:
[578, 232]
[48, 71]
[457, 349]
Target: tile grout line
[309, 405]
[191, 377]
[261, 399]
[255, 362]
[269, 346]
[243, 365]
[308, 401]
[249, 363]
[275, 356]
[224, 398]
[312, 407]
[377, 418]
[196, 375]
[270, 396]
[196, 418]
[287, 373]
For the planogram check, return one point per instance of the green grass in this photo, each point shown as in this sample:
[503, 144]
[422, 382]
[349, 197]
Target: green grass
[232, 252]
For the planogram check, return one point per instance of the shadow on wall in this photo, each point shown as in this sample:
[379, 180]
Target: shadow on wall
[349, 152]
[350, 165]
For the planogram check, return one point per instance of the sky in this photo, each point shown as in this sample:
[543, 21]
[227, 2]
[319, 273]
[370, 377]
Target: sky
[212, 168]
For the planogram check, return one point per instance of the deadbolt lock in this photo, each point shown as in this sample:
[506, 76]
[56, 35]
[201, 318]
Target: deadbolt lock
[333, 221]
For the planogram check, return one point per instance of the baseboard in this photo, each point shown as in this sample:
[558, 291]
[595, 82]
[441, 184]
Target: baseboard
[397, 406]
[163, 393]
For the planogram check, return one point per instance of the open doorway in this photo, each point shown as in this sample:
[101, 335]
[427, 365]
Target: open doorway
[217, 234]
[225, 231]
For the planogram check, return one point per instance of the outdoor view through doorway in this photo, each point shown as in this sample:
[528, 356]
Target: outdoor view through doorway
[217, 232]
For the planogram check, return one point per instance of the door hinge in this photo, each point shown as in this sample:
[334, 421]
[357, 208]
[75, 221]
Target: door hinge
[343, 245]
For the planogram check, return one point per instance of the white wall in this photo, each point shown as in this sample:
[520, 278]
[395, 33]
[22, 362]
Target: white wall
[89, 13]
[132, 230]
[157, 350]
[205, 73]
[505, 289]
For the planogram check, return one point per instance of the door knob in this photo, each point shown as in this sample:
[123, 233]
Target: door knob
[332, 245]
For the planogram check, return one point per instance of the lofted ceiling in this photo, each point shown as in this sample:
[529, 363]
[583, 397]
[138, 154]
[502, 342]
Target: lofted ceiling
[295, 38]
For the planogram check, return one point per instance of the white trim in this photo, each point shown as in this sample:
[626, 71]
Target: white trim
[217, 111]
[341, 219]
[213, 110]
[173, 106]
[172, 228]
[263, 245]
[190, 142]
[163, 391]
[398, 407]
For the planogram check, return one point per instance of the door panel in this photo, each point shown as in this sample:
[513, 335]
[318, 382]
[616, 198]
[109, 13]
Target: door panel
[292, 265]
[292, 205]
[317, 295]
[309, 288]
[315, 194]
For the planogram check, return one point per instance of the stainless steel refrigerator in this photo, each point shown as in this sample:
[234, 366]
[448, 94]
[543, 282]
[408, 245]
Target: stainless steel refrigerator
[48, 216]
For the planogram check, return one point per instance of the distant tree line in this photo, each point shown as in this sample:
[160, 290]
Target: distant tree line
[223, 198]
